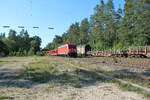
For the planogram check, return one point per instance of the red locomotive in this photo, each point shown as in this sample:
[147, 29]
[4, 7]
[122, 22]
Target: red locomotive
[54, 52]
[67, 50]
[64, 50]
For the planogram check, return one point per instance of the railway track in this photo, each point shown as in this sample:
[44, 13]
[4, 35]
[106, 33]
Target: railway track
[136, 64]
[136, 71]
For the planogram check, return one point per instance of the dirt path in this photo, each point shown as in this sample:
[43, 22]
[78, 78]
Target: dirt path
[19, 89]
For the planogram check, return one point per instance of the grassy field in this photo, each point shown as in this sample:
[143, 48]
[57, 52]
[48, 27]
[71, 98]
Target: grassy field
[57, 71]
[5, 97]
[65, 72]
[130, 78]
[2, 62]
[134, 78]
[6, 60]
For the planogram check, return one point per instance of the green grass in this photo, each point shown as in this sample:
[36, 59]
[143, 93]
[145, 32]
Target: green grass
[5, 97]
[38, 72]
[57, 71]
[133, 78]
[1, 61]
[123, 86]
[127, 77]
[129, 87]
[124, 76]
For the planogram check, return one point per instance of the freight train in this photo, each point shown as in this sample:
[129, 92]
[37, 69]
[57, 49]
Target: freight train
[85, 50]
[137, 51]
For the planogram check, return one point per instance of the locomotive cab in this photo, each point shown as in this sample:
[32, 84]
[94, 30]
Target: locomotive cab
[68, 50]
[72, 50]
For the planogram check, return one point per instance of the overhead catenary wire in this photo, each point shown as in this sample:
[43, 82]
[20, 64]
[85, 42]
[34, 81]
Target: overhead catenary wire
[22, 27]
[35, 27]
[50, 28]
[6, 26]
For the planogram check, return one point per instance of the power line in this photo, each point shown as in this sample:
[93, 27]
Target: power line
[5, 26]
[22, 27]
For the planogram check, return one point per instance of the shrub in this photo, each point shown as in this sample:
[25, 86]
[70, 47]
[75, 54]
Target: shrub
[25, 53]
[14, 53]
[31, 52]
[11, 53]
[101, 46]
[2, 54]
[21, 54]
[3, 49]
[39, 53]
[17, 53]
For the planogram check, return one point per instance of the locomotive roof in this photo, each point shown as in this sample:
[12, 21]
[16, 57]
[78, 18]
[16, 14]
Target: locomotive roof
[66, 45]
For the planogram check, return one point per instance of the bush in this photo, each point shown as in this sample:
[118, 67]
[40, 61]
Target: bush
[11, 53]
[2, 54]
[17, 53]
[101, 46]
[3, 49]
[14, 54]
[25, 53]
[31, 52]
[118, 47]
[39, 53]
[21, 54]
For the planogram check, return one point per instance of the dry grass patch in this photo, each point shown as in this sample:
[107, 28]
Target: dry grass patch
[131, 78]
[128, 87]
[38, 72]
[58, 71]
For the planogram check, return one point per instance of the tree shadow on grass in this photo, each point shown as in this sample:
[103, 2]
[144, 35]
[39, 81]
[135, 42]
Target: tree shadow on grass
[146, 73]
[77, 78]
[135, 77]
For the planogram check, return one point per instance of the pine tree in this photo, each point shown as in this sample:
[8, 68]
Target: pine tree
[97, 26]
[2, 35]
[84, 31]
[3, 49]
[57, 41]
[12, 35]
[74, 33]
[108, 28]
[127, 30]
[118, 19]
[26, 41]
[142, 23]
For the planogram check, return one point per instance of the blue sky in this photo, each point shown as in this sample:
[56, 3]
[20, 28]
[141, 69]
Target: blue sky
[59, 14]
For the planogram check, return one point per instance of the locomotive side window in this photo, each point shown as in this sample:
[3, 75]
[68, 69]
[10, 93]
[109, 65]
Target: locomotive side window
[72, 46]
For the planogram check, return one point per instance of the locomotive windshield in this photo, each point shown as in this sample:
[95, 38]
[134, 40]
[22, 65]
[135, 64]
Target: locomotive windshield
[72, 46]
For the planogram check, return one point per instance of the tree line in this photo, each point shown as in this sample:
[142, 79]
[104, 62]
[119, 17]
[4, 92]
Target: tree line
[109, 29]
[19, 44]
